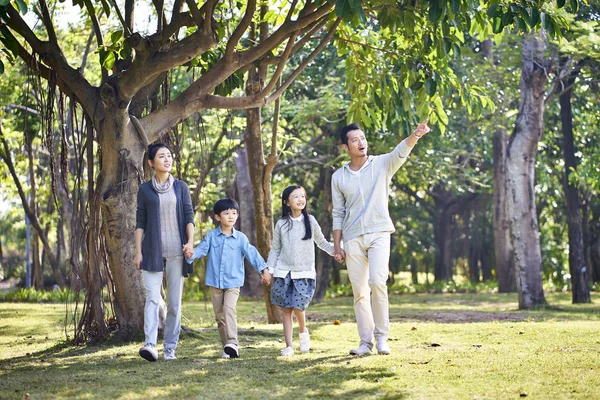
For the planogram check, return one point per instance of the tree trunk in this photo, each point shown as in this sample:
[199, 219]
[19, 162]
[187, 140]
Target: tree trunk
[261, 186]
[252, 286]
[577, 265]
[324, 261]
[414, 271]
[520, 173]
[443, 239]
[474, 255]
[118, 184]
[503, 252]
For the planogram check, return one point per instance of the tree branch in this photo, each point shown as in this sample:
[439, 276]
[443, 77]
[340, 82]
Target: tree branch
[99, 39]
[240, 103]
[273, 157]
[70, 80]
[147, 66]
[196, 97]
[126, 29]
[48, 22]
[239, 30]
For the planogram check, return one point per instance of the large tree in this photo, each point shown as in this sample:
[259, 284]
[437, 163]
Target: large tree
[218, 39]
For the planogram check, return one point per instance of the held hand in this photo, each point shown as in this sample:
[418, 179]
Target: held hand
[266, 277]
[137, 260]
[422, 129]
[188, 250]
[340, 255]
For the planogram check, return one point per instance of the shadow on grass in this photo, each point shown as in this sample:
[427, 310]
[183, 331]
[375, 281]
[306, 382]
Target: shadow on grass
[63, 371]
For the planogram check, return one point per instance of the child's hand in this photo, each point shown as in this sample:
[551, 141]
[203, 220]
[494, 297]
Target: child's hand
[266, 277]
[340, 256]
[188, 250]
[188, 253]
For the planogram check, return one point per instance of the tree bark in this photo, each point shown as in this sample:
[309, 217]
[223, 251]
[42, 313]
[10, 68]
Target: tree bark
[252, 286]
[120, 178]
[503, 252]
[520, 173]
[325, 262]
[577, 265]
[261, 185]
[443, 239]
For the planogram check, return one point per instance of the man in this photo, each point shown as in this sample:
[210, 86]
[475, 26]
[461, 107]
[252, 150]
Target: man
[360, 191]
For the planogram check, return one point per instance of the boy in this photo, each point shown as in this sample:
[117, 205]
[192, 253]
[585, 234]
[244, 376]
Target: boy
[226, 248]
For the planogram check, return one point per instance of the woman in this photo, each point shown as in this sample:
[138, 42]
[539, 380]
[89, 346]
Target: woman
[164, 230]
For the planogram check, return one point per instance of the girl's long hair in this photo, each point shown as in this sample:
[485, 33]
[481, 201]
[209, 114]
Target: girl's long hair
[286, 211]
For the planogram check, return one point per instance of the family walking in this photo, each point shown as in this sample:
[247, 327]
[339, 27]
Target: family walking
[360, 191]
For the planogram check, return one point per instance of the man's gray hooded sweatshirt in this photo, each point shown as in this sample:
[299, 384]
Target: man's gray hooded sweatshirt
[360, 198]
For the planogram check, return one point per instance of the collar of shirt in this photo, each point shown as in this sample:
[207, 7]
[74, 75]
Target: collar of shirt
[233, 232]
[299, 218]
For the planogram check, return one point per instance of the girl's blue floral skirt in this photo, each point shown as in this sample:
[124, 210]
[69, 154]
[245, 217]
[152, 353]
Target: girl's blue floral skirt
[292, 293]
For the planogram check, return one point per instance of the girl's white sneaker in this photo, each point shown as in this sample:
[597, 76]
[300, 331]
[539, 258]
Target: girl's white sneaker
[305, 341]
[287, 352]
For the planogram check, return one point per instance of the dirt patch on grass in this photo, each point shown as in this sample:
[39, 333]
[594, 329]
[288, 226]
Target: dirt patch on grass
[459, 317]
[442, 317]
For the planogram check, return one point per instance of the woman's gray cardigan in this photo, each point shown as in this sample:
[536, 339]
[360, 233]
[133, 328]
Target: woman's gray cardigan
[148, 219]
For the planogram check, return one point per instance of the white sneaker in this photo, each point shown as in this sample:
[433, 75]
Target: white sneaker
[364, 348]
[382, 346]
[170, 354]
[148, 352]
[232, 350]
[287, 352]
[305, 341]
[225, 355]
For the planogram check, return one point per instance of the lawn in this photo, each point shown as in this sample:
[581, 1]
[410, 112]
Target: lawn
[445, 346]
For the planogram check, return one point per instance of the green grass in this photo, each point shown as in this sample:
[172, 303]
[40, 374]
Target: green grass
[445, 346]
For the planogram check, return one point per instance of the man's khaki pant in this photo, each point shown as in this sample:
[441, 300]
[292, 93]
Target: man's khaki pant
[224, 303]
[367, 260]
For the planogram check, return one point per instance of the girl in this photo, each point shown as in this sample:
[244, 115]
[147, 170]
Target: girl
[164, 231]
[292, 263]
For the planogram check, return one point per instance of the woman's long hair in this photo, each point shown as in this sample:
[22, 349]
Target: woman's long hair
[286, 211]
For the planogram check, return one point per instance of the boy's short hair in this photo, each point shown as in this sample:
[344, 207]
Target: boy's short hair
[345, 130]
[225, 204]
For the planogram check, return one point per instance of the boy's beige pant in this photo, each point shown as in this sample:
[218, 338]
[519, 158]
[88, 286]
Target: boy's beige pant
[367, 260]
[224, 303]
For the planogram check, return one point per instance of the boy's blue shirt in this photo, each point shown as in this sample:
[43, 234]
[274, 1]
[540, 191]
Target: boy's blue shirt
[225, 266]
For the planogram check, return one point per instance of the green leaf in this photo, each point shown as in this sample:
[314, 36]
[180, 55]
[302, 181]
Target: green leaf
[507, 19]
[4, 3]
[455, 6]
[447, 45]
[343, 9]
[574, 6]
[521, 24]
[560, 3]
[436, 9]
[1, 67]
[535, 17]
[524, 14]
[497, 25]
[126, 50]
[409, 24]
[439, 110]
[491, 11]
[22, 6]
[107, 59]
[427, 42]
[116, 36]
[431, 86]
